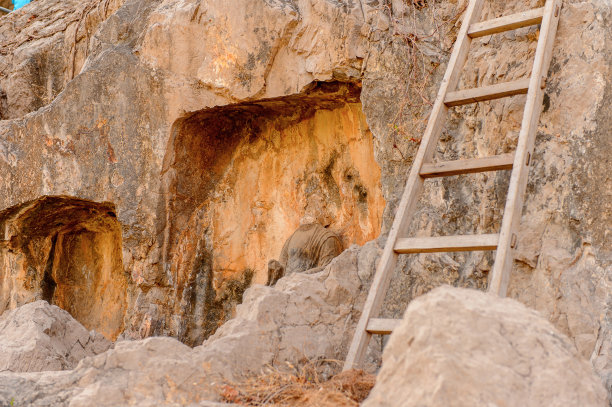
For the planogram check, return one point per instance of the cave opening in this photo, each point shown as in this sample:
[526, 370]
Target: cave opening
[238, 180]
[68, 252]
[48, 284]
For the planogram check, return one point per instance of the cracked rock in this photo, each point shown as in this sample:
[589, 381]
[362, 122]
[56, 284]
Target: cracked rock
[462, 347]
[38, 337]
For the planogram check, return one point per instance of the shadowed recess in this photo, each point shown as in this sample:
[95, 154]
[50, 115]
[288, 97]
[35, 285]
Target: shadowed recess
[66, 251]
[238, 180]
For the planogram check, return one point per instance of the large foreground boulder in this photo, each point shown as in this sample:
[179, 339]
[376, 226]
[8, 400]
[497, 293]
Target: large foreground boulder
[39, 336]
[459, 347]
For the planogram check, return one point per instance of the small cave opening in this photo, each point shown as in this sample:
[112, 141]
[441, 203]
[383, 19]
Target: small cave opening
[238, 180]
[68, 252]
[48, 284]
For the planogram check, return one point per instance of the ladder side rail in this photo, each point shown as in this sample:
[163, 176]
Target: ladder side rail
[414, 186]
[500, 274]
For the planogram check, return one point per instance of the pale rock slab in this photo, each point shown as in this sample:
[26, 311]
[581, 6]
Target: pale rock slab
[38, 337]
[461, 347]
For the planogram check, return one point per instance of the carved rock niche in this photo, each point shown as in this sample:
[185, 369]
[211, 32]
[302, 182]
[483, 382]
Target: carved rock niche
[237, 182]
[66, 251]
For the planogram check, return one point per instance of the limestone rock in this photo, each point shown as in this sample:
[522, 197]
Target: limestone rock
[310, 248]
[67, 252]
[155, 371]
[212, 126]
[39, 337]
[459, 347]
[179, 138]
[303, 316]
[44, 46]
[563, 266]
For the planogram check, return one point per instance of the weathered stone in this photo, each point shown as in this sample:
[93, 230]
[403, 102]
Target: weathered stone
[303, 316]
[38, 337]
[165, 107]
[65, 251]
[564, 263]
[460, 347]
[310, 248]
[156, 370]
[43, 46]
[199, 137]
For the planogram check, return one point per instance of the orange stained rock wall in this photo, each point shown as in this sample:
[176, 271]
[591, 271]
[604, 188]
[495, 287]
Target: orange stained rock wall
[321, 168]
[91, 284]
[238, 180]
[66, 251]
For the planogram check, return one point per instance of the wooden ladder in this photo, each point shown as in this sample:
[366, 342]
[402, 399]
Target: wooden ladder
[423, 167]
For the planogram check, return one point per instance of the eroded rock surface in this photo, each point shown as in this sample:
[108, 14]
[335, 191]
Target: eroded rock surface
[303, 316]
[238, 180]
[310, 248]
[66, 251]
[563, 264]
[113, 101]
[44, 46]
[39, 337]
[460, 347]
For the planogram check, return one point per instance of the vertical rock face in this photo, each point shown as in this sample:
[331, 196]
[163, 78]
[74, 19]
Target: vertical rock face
[215, 127]
[563, 264]
[43, 47]
[303, 316]
[267, 169]
[181, 138]
[239, 180]
[65, 251]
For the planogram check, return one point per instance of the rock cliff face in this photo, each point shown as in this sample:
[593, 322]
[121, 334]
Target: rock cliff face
[303, 316]
[209, 177]
[44, 46]
[213, 128]
[238, 180]
[68, 252]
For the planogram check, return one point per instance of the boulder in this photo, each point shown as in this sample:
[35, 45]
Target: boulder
[39, 336]
[462, 347]
[155, 371]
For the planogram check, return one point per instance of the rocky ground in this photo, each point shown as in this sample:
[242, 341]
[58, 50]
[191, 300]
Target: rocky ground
[39, 337]
[455, 347]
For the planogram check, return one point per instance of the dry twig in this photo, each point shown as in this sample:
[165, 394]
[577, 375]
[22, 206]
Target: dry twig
[301, 386]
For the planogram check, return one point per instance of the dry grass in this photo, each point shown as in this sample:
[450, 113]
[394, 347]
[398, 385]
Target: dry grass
[423, 52]
[300, 387]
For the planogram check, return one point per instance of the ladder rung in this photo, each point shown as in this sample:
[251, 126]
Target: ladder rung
[500, 90]
[461, 243]
[458, 167]
[506, 23]
[382, 326]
